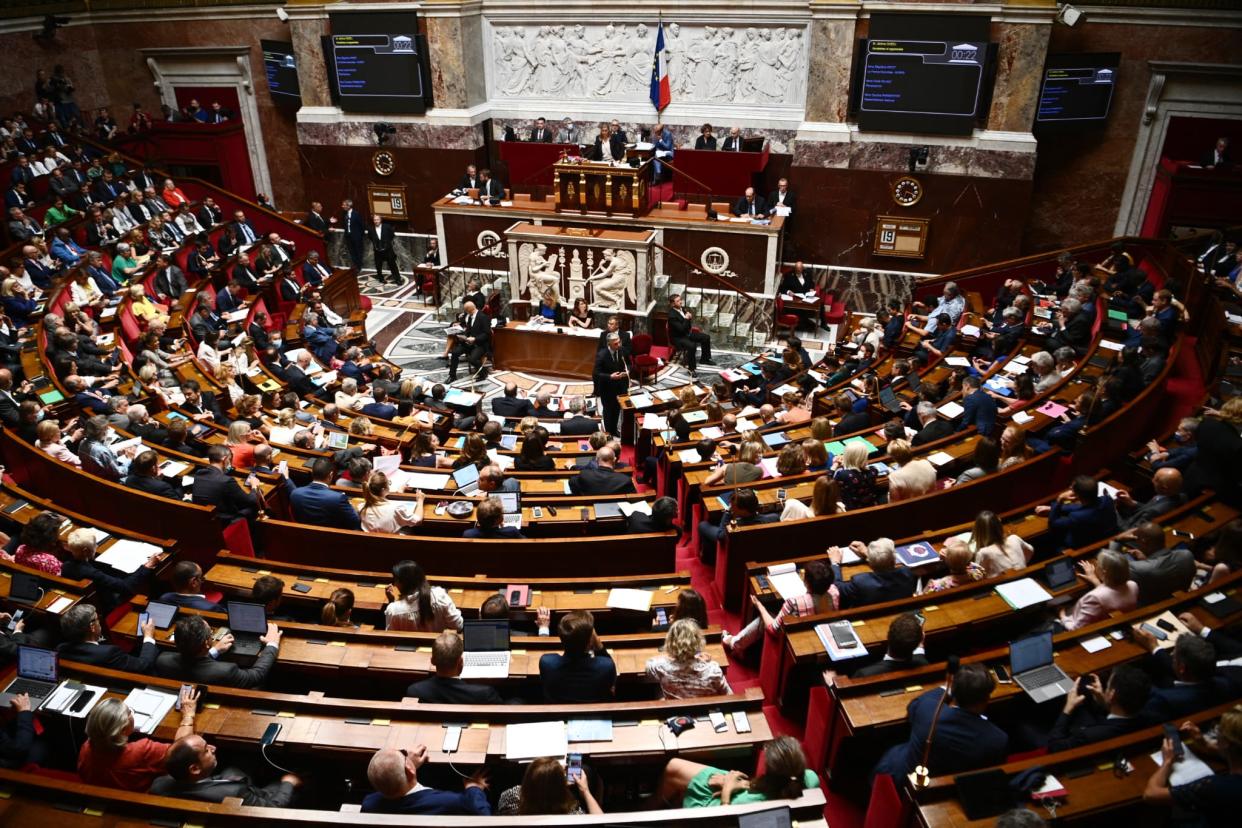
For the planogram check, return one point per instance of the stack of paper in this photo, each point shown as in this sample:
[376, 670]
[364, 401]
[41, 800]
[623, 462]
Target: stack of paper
[1014, 367]
[768, 464]
[641, 401]
[957, 361]
[655, 422]
[638, 600]
[969, 330]
[532, 740]
[951, 409]
[66, 694]
[1024, 592]
[712, 432]
[940, 458]
[840, 652]
[785, 580]
[127, 555]
[149, 707]
[589, 730]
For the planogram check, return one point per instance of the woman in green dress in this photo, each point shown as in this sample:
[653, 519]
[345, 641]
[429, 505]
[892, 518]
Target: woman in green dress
[785, 775]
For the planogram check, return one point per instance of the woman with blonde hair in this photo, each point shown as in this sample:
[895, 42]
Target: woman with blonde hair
[687, 397]
[744, 469]
[286, 418]
[1214, 798]
[110, 758]
[912, 477]
[821, 429]
[961, 564]
[226, 376]
[143, 308]
[379, 514]
[855, 477]
[338, 609]
[361, 427]
[526, 425]
[241, 440]
[1113, 591]
[680, 670]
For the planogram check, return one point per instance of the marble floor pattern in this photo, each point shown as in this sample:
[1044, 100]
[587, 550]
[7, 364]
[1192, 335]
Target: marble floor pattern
[406, 330]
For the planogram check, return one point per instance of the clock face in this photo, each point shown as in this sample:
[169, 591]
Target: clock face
[907, 191]
[384, 163]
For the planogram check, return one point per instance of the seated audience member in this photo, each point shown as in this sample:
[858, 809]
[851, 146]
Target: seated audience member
[38, 545]
[1113, 591]
[97, 457]
[938, 340]
[931, 426]
[663, 514]
[446, 686]
[743, 511]
[194, 773]
[145, 477]
[690, 604]
[394, 776]
[1185, 676]
[785, 775]
[1215, 466]
[195, 660]
[187, 583]
[603, 479]
[379, 514]
[964, 739]
[913, 476]
[489, 518]
[820, 596]
[19, 743]
[1101, 712]
[996, 552]
[979, 407]
[985, 461]
[744, 469]
[1178, 456]
[1080, 515]
[1158, 570]
[338, 609]
[318, 505]
[111, 586]
[904, 649]
[1225, 556]
[214, 487]
[960, 562]
[547, 790]
[83, 641]
[885, 582]
[1167, 486]
[1214, 799]
[825, 500]
[111, 757]
[584, 673]
[681, 670]
[509, 404]
[856, 479]
[533, 456]
[414, 604]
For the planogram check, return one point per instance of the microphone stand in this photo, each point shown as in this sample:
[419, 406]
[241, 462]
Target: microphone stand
[920, 778]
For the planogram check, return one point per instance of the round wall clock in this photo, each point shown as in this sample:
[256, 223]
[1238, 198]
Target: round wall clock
[384, 163]
[907, 191]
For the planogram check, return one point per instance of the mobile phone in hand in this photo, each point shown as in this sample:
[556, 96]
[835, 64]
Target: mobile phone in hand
[574, 767]
[143, 618]
[1179, 750]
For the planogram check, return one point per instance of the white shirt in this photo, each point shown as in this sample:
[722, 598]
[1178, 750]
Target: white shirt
[389, 516]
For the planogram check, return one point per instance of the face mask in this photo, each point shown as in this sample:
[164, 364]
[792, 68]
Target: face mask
[1177, 436]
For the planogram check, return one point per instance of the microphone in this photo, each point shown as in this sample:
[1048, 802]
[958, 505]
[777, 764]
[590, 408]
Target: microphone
[921, 776]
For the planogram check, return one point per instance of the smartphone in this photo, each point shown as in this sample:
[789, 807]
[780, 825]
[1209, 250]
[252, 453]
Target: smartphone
[552, 511]
[1166, 625]
[452, 738]
[718, 721]
[1159, 634]
[842, 634]
[919, 615]
[1178, 533]
[1084, 682]
[81, 700]
[177, 703]
[301, 588]
[661, 617]
[1002, 674]
[269, 735]
[740, 723]
[536, 512]
[573, 767]
[1170, 732]
[584, 513]
[781, 494]
[17, 616]
[143, 618]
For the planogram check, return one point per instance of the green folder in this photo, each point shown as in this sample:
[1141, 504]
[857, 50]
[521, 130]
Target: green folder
[51, 396]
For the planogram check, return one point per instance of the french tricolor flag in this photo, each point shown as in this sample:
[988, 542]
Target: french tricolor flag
[661, 94]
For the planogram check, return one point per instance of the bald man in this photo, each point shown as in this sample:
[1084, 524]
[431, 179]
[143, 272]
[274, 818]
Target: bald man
[1167, 485]
[604, 478]
[394, 776]
[472, 342]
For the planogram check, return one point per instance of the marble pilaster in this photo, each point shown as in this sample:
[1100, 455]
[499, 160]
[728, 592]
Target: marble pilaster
[1020, 57]
[305, 32]
[448, 71]
[828, 73]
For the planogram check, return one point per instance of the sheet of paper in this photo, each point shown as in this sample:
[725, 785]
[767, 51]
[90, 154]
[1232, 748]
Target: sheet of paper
[638, 600]
[1094, 645]
[1024, 592]
[174, 468]
[781, 210]
[62, 697]
[641, 400]
[638, 507]
[1189, 768]
[957, 361]
[689, 456]
[1021, 417]
[712, 432]
[1021, 358]
[531, 740]
[426, 481]
[1015, 368]
[655, 422]
[589, 730]
[787, 585]
[951, 409]
[60, 605]
[849, 556]
[127, 555]
[149, 707]
[1108, 344]
[836, 652]
[969, 330]
[666, 395]
[940, 458]
[386, 463]
[768, 464]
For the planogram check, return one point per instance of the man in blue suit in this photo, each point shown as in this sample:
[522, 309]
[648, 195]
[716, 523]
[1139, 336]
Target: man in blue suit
[584, 673]
[318, 505]
[964, 740]
[1080, 515]
[1189, 673]
[351, 368]
[979, 409]
[230, 299]
[394, 776]
[351, 223]
[187, 581]
[885, 582]
[381, 408]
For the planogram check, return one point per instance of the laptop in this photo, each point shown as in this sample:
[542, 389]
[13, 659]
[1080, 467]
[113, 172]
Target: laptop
[1030, 664]
[465, 477]
[24, 588]
[1060, 573]
[487, 649]
[161, 614]
[511, 502]
[780, 817]
[36, 675]
[914, 381]
[247, 622]
[889, 400]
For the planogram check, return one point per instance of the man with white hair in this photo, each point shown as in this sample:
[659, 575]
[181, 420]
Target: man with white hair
[612, 378]
[393, 774]
[885, 582]
[576, 423]
[951, 302]
[141, 424]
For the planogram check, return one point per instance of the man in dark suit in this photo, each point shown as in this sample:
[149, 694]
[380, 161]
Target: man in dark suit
[18, 197]
[1101, 713]
[246, 234]
[614, 326]
[144, 475]
[603, 479]
[489, 518]
[318, 505]
[743, 511]
[1073, 329]
[200, 404]
[584, 673]
[381, 235]
[978, 407]
[509, 404]
[351, 223]
[214, 487]
[612, 378]
[194, 662]
[782, 196]
[733, 141]
[1217, 158]
[578, 424]
[209, 214]
[750, 205]
[885, 582]
[1185, 676]
[231, 298]
[1220, 452]
[470, 179]
[905, 648]
[193, 773]
[1080, 515]
[394, 776]
[682, 334]
[314, 218]
[663, 513]
[314, 272]
[797, 280]
[445, 687]
[472, 342]
[964, 739]
[541, 133]
[187, 583]
[381, 409]
[83, 635]
[608, 146]
[298, 379]
[491, 191]
[1167, 485]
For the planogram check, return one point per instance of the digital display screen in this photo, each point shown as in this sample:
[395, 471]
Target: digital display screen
[1077, 88]
[282, 70]
[375, 62]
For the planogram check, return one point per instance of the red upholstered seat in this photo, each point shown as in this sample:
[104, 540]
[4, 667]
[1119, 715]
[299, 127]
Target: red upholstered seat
[645, 363]
[888, 808]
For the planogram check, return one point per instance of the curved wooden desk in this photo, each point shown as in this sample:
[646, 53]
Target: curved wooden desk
[518, 348]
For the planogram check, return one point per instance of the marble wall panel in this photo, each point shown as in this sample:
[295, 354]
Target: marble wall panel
[1020, 60]
[828, 73]
[308, 52]
[448, 69]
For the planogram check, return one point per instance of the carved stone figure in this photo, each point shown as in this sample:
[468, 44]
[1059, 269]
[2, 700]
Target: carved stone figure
[615, 279]
[541, 275]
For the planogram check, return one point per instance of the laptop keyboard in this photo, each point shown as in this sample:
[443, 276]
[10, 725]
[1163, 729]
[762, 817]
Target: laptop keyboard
[1048, 674]
[31, 686]
[496, 659]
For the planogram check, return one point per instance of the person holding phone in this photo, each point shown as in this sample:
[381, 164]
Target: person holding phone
[1215, 799]
[112, 759]
[548, 789]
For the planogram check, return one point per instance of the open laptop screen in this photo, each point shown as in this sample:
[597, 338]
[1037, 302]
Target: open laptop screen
[36, 663]
[1029, 653]
[247, 618]
[888, 399]
[467, 475]
[486, 636]
[511, 502]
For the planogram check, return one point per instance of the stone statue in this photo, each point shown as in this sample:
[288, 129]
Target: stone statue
[536, 272]
[615, 279]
